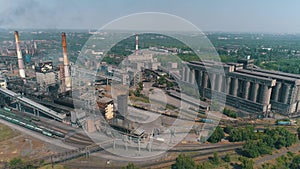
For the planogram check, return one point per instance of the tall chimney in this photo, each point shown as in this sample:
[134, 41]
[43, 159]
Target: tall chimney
[66, 62]
[20, 58]
[136, 43]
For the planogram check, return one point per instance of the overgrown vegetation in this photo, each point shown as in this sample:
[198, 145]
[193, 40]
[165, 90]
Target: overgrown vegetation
[242, 134]
[217, 135]
[6, 132]
[272, 138]
[230, 113]
[130, 166]
[288, 161]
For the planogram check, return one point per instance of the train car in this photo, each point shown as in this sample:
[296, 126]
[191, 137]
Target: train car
[47, 134]
[206, 120]
[7, 109]
[22, 123]
[59, 134]
[38, 129]
[35, 119]
[15, 121]
[284, 123]
[30, 126]
[53, 132]
[27, 119]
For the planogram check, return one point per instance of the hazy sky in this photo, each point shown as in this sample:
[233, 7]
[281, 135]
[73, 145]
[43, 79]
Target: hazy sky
[208, 15]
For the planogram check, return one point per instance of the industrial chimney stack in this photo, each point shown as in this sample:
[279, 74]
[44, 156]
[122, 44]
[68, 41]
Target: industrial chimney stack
[67, 77]
[20, 58]
[136, 43]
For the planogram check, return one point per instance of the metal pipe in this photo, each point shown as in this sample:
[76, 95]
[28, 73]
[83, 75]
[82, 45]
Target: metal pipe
[66, 63]
[20, 58]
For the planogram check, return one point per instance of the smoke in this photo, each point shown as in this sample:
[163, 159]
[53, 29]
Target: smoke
[35, 14]
[16, 12]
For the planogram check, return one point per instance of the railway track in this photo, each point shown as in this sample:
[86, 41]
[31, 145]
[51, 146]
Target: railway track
[166, 163]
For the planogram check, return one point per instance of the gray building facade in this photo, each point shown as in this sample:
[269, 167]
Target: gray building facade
[245, 87]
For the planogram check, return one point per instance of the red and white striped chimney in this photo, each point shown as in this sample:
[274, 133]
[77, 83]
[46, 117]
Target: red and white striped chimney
[67, 77]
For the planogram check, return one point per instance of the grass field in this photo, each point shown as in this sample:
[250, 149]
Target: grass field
[6, 132]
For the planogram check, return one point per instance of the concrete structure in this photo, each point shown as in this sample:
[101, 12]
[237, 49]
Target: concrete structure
[135, 77]
[172, 65]
[142, 59]
[123, 76]
[36, 107]
[246, 88]
[47, 75]
[49, 78]
[122, 101]
[90, 125]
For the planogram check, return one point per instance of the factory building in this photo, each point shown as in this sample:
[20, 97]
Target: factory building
[135, 78]
[245, 87]
[46, 75]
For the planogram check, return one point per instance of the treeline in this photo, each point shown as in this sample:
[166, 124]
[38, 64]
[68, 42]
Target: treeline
[256, 143]
[273, 138]
[186, 162]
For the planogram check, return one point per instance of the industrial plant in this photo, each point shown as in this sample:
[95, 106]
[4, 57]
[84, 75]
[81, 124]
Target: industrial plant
[246, 87]
[135, 107]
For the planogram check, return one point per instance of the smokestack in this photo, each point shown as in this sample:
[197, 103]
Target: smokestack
[66, 62]
[136, 43]
[34, 45]
[62, 77]
[20, 58]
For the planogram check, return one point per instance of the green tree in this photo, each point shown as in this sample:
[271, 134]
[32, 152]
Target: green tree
[170, 84]
[205, 165]
[250, 149]
[137, 93]
[298, 132]
[282, 162]
[184, 162]
[230, 113]
[242, 134]
[227, 158]
[268, 140]
[263, 148]
[141, 86]
[247, 163]
[130, 166]
[161, 80]
[217, 135]
[227, 129]
[295, 164]
[16, 163]
[216, 159]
